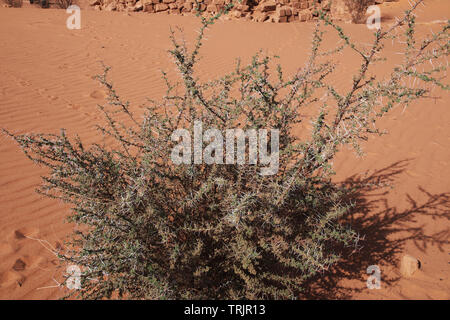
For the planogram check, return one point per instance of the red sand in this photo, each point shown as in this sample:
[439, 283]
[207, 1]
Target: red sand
[46, 83]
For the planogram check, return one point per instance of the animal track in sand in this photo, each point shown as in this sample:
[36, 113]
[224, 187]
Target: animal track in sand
[73, 106]
[15, 240]
[19, 235]
[43, 93]
[23, 233]
[24, 83]
[98, 94]
[63, 66]
[9, 277]
[19, 265]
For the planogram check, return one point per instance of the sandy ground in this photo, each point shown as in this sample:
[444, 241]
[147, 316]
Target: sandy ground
[46, 83]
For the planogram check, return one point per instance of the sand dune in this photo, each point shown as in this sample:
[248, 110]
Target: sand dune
[46, 83]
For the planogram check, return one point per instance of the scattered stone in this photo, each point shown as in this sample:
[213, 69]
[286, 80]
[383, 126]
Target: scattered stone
[409, 265]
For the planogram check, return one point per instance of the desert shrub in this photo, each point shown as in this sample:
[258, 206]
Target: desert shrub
[154, 229]
[14, 3]
[44, 4]
[358, 9]
[64, 4]
[41, 3]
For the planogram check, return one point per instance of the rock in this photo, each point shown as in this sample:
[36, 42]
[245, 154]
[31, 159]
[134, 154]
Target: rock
[243, 8]
[305, 15]
[340, 11]
[161, 7]
[293, 18]
[138, 6]
[214, 8]
[326, 5]
[111, 7]
[409, 265]
[260, 16]
[281, 12]
[266, 7]
[187, 7]
[236, 14]
[261, 10]
[279, 19]
[148, 7]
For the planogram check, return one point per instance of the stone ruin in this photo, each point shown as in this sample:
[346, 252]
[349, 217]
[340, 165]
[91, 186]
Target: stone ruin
[255, 10]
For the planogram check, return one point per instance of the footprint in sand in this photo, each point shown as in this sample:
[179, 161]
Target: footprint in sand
[23, 83]
[10, 277]
[43, 93]
[63, 66]
[73, 106]
[20, 234]
[16, 239]
[19, 265]
[98, 94]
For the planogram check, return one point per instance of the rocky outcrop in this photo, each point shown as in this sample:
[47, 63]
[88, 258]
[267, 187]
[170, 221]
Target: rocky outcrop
[256, 10]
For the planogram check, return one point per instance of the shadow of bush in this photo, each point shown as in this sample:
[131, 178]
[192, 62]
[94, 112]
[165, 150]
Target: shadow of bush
[384, 228]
